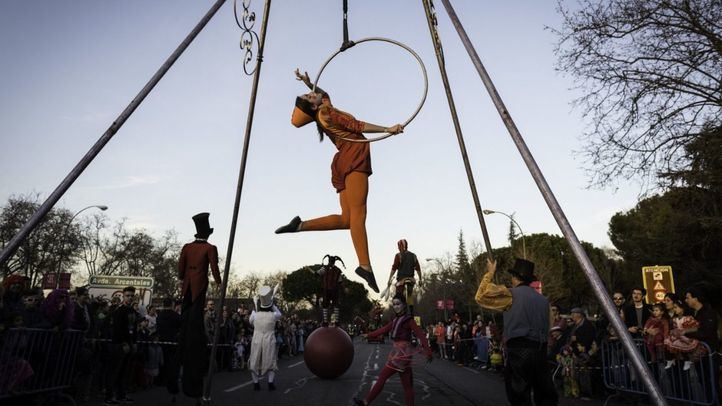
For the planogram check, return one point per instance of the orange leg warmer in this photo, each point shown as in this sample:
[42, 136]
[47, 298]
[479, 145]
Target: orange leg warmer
[353, 215]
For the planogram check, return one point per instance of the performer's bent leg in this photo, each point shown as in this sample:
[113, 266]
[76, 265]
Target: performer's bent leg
[380, 382]
[407, 382]
[332, 221]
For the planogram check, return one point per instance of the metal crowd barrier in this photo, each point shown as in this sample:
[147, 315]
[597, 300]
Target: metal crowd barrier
[33, 361]
[696, 385]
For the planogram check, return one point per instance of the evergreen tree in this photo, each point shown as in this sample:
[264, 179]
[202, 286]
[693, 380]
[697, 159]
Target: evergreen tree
[512, 230]
[462, 259]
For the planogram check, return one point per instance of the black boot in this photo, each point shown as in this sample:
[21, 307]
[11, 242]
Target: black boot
[368, 277]
[291, 227]
[271, 386]
[256, 386]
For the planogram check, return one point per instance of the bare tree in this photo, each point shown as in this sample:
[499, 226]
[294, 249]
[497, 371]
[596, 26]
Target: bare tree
[651, 76]
[246, 287]
[48, 247]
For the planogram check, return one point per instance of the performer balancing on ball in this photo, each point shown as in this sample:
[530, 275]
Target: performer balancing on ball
[331, 280]
[350, 170]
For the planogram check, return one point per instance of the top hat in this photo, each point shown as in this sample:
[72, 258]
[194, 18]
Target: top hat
[265, 294]
[302, 113]
[203, 228]
[523, 270]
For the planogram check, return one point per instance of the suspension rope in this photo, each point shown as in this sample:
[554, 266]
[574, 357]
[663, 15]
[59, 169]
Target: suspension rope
[346, 44]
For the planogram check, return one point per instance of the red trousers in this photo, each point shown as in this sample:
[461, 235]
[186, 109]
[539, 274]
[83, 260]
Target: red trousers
[406, 381]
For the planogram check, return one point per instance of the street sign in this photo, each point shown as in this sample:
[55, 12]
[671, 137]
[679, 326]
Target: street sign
[112, 286]
[50, 281]
[121, 281]
[658, 280]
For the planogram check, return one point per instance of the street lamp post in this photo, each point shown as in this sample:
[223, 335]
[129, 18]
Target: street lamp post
[443, 285]
[64, 234]
[523, 239]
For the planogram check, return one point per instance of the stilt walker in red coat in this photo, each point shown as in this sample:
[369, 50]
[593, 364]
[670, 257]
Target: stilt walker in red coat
[195, 260]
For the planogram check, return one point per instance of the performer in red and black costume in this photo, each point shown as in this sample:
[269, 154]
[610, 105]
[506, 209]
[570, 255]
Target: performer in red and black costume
[331, 285]
[350, 170]
[399, 360]
[195, 259]
[405, 262]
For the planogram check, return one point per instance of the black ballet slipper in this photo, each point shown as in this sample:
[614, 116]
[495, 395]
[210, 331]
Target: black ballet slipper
[368, 277]
[291, 227]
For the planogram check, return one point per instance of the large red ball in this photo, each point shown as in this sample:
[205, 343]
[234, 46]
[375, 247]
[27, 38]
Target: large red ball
[328, 352]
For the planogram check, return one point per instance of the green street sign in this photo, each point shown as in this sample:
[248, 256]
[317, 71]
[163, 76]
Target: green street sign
[121, 281]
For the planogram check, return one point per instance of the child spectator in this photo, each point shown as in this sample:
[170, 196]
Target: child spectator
[677, 342]
[656, 329]
[440, 333]
[153, 360]
[495, 359]
[239, 355]
[152, 318]
[569, 372]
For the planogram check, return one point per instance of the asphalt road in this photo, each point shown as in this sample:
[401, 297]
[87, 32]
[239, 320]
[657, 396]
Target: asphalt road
[440, 382]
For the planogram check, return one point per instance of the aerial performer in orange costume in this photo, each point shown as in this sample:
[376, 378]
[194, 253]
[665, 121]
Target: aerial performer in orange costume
[350, 170]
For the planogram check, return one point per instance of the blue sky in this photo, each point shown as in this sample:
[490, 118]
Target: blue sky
[69, 68]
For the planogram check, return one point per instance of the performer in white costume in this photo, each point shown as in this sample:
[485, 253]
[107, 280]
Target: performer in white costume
[263, 345]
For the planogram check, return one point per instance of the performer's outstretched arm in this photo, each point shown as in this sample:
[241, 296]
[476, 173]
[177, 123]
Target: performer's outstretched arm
[373, 128]
[382, 330]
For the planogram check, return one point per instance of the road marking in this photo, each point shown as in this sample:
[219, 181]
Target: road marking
[296, 364]
[425, 388]
[242, 385]
[365, 374]
[299, 384]
[472, 370]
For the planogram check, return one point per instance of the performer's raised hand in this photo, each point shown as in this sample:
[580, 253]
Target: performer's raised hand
[490, 265]
[303, 77]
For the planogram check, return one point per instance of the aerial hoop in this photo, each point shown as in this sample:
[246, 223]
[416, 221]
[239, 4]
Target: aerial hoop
[409, 50]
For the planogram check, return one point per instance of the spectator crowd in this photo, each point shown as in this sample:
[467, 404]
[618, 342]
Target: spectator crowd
[675, 335]
[128, 346]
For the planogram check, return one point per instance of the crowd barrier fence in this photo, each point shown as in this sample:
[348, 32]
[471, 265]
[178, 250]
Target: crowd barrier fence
[34, 361]
[688, 380]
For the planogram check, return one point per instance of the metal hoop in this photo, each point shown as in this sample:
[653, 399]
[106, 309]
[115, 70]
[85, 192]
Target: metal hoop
[407, 48]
